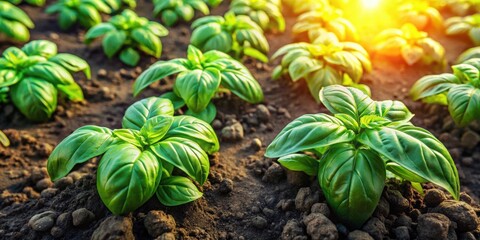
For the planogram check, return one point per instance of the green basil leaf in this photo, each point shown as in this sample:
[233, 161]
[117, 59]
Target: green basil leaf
[307, 132]
[204, 33]
[351, 101]
[242, 84]
[176, 100]
[113, 42]
[127, 177]
[404, 173]
[42, 48]
[35, 98]
[88, 16]
[155, 73]
[14, 30]
[185, 155]
[50, 72]
[130, 136]
[321, 78]
[418, 151]
[13, 13]
[300, 162]
[98, 30]
[176, 190]
[393, 110]
[352, 180]
[157, 29]
[197, 87]
[9, 77]
[130, 56]
[155, 128]
[140, 112]
[196, 130]
[464, 104]
[67, 18]
[302, 66]
[83, 144]
[466, 72]
[207, 115]
[194, 55]
[72, 63]
[433, 85]
[72, 91]
[147, 42]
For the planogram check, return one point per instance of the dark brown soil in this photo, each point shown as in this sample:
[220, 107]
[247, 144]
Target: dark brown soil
[219, 215]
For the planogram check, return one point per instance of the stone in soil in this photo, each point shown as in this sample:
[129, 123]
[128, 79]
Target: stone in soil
[402, 233]
[460, 212]
[274, 174]
[321, 208]
[433, 226]
[256, 144]
[233, 132]
[469, 139]
[158, 223]
[359, 235]
[433, 197]
[42, 221]
[375, 228]
[263, 113]
[114, 227]
[259, 222]
[293, 230]
[226, 186]
[320, 227]
[305, 199]
[82, 217]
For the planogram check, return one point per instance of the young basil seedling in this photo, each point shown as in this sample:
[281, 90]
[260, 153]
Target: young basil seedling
[469, 25]
[14, 23]
[171, 11]
[266, 13]
[235, 35]
[324, 62]
[85, 12]
[357, 145]
[328, 18]
[460, 91]
[199, 77]
[411, 45]
[116, 5]
[4, 139]
[126, 32]
[139, 160]
[37, 3]
[421, 14]
[36, 73]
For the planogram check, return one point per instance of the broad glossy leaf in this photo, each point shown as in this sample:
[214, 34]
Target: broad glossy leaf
[155, 128]
[72, 63]
[221, 42]
[207, 115]
[416, 150]
[464, 104]
[35, 98]
[8, 77]
[203, 33]
[466, 72]
[197, 87]
[83, 144]
[300, 162]
[412, 54]
[393, 110]
[97, 31]
[113, 42]
[140, 112]
[129, 56]
[242, 84]
[50, 72]
[351, 101]
[127, 177]
[185, 155]
[13, 13]
[42, 48]
[176, 100]
[88, 15]
[177, 190]
[15, 30]
[404, 173]
[155, 73]
[352, 180]
[130, 136]
[432, 85]
[302, 66]
[66, 18]
[308, 132]
[196, 130]
[72, 91]
[147, 42]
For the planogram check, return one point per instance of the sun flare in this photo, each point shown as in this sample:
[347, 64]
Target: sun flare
[370, 4]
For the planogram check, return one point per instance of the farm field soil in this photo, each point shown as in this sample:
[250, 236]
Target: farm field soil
[247, 196]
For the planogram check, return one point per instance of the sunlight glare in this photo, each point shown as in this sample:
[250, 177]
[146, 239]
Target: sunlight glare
[370, 4]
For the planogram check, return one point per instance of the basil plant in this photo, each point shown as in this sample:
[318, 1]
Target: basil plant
[37, 3]
[266, 13]
[460, 91]
[410, 44]
[4, 139]
[356, 146]
[171, 11]
[324, 62]
[238, 36]
[35, 74]
[143, 158]
[199, 78]
[468, 54]
[330, 19]
[116, 5]
[84, 12]
[421, 14]
[469, 25]
[127, 33]
[14, 23]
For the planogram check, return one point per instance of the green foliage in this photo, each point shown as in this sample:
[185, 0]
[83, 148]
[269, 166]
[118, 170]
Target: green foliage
[360, 142]
[411, 45]
[4, 139]
[37, 3]
[36, 73]
[469, 25]
[140, 159]
[421, 14]
[299, 7]
[468, 54]
[85, 12]
[116, 5]
[238, 36]
[14, 23]
[324, 62]
[199, 77]
[330, 19]
[125, 34]
[460, 91]
[171, 11]
[213, 3]
[266, 13]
